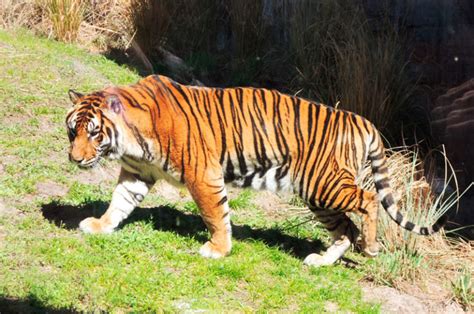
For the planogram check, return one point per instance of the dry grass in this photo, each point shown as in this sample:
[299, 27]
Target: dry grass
[414, 196]
[247, 27]
[341, 59]
[66, 17]
[21, 13]
[97, 25]
[324, 49]
[105, 25]
[151, 21]
[408, 257]
[183, 25]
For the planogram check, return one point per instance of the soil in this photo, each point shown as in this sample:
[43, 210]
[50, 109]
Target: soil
[100, 174]
[7, 210]
[50, 188]
[170, 193]
[395, 301]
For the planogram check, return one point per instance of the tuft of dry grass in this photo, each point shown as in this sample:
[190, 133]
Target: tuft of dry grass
[97, 25]
[407, 257]
[66, 17]
[21, 13]
[105, 25]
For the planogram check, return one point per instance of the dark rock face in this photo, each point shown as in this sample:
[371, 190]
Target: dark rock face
[441, 55]
[441, 34]
[453, 125]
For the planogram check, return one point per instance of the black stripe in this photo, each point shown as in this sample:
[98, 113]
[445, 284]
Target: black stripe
[440, 223]
[388, 201]
[399, 218]
[424, 231]
[380, 169]
[222, 201]
[382, 184]
[377, 157]
[409, 226]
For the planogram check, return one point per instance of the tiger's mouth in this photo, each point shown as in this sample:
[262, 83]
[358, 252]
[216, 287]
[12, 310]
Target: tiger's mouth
[89, 164]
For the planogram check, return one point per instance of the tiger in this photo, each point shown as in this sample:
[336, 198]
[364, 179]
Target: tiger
[204, 138]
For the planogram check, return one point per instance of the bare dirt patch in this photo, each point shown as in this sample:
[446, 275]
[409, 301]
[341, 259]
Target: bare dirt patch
[50, 188]
[84, 70]
[270, 202]
[7, 210]
[8, 160]
[99, 174]
[395, 301]
[171, 193]
[331, 307]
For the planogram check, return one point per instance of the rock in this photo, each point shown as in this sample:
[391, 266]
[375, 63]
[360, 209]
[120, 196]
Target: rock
[394, 301]
[453, 126]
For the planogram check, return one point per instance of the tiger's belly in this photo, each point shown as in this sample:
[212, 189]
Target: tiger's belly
[274, 179]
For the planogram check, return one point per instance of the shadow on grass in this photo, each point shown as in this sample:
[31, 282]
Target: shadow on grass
[167, 218]
[28, 305]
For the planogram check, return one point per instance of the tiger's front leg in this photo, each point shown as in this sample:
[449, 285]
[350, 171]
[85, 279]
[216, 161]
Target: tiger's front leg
[210, 195]
[128, 193]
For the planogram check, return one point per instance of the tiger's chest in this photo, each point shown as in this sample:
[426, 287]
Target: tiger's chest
[150, 171]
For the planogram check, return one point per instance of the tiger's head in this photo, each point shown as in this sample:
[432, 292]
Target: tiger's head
[91, 128]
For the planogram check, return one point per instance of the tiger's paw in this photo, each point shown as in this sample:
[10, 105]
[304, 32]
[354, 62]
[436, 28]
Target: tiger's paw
[371, 250]
[316, 260]
[210, 250]
[95, 226]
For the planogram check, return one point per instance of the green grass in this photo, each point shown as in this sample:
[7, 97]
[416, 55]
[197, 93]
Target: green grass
[463, 288]
[151, 264]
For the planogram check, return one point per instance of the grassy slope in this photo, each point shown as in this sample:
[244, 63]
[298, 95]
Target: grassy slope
[151, 263]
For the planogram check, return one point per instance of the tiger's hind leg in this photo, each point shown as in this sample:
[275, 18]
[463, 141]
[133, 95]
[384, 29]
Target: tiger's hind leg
[369, 212]
[344, 232]
[343, 198]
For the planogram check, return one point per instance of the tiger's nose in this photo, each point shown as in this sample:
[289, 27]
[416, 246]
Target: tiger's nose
[75, 159]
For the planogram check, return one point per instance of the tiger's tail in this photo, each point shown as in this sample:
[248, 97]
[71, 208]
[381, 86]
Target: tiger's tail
[382, 185]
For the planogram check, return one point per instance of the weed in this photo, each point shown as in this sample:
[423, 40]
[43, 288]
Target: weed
[463, 289]
[407, 256]
[242, 201]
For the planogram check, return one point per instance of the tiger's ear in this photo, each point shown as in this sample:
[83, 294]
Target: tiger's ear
[113, 103]
[74, 96]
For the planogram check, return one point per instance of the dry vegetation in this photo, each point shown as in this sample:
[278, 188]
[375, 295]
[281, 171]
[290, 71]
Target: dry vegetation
[324, 50]
[97, 25]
